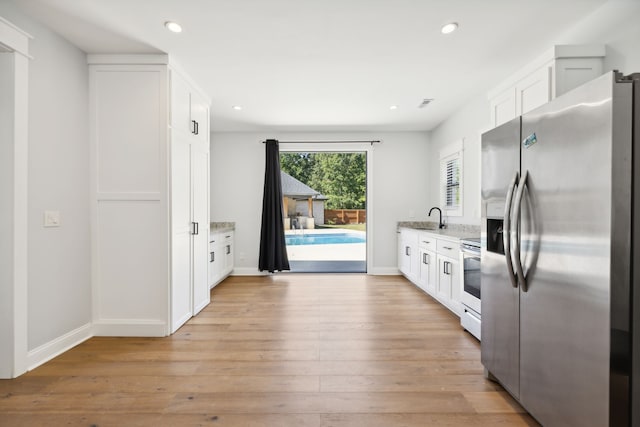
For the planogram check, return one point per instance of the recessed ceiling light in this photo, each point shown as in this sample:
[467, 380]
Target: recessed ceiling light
[449, 28]
[174, 27]
[393, 107]
[237, 107]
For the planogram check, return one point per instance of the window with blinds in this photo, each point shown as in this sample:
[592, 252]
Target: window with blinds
[451, 180]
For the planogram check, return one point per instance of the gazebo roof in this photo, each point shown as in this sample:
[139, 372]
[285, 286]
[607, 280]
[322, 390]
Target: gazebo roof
[293, 188]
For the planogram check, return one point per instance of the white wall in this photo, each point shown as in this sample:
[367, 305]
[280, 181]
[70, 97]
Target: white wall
[302, 206]
[465, 125]
[615, 24]
[399, 188]
[59, 293]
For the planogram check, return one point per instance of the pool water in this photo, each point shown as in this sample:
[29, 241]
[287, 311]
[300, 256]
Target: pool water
[324, 239]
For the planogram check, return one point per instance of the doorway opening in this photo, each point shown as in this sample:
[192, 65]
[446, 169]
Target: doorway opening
[325, 210]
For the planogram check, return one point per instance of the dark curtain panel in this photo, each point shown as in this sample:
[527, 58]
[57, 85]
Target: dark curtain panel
[273, 250]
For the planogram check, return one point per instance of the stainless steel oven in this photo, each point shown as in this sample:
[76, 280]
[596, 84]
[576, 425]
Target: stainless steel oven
[471, 289]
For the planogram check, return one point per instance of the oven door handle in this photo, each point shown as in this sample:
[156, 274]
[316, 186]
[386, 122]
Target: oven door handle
[468, 249]
[472, 252]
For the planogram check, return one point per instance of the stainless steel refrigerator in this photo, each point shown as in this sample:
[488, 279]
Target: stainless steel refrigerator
[558, 255]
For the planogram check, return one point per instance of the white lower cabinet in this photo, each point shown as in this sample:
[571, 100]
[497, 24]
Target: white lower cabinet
[448, 283]
[227, 247]
[431, 263]
[221, 254]
[408, 253]
[214, 259]
[428, 271]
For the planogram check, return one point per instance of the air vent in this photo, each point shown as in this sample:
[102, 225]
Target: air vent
[425, 102]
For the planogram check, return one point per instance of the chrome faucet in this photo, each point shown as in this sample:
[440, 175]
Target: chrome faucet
[440, 223]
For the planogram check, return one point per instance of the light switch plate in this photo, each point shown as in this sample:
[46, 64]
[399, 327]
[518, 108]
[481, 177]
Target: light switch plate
[52, 218]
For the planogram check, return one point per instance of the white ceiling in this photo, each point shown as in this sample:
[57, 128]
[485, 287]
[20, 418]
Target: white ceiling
[325, 65]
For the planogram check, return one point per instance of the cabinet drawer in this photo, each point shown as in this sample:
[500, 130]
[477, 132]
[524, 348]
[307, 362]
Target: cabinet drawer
[427, 241]
[448, 248]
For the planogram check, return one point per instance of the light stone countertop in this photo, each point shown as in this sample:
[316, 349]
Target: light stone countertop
[452, 232]
[217, 227]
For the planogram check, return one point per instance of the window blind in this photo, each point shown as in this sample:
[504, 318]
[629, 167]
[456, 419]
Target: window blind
[452, 183]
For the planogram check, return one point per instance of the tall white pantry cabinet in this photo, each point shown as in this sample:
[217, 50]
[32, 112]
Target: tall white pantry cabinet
[150, 195]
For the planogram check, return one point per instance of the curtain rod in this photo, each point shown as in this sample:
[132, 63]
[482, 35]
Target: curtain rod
[329, 142]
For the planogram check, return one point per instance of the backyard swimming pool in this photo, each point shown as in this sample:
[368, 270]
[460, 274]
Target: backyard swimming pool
[324, 239]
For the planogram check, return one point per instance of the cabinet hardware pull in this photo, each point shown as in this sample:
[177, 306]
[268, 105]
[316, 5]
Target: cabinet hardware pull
[193, 131]
[447, 247]
[407, 250]
[197, 128]
[447, 271]
[228, 249]
[212, 256]
[194, 228]
[197, 228]
[426, 241]
[425, 259]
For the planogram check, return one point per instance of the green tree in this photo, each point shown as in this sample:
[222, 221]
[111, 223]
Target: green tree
[298, 165]
[341, 177]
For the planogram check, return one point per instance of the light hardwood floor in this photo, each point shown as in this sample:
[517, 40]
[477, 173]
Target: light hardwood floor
[285, 350]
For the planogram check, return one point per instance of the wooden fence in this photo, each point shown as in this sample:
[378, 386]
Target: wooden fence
[345, 216]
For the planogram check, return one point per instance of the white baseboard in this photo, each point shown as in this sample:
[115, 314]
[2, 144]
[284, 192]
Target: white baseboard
[53, 348]
[377, 271]
[248, 271]
[385, 271]
[130, 328]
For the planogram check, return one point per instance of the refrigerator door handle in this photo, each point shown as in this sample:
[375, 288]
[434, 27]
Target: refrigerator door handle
[516, 238]
[506, 230]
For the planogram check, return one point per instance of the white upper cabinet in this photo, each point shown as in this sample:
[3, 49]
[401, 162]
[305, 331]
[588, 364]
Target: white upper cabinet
[503, 106]
[190, 109]
[200, 117]
[534, 90]
[556, 72]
